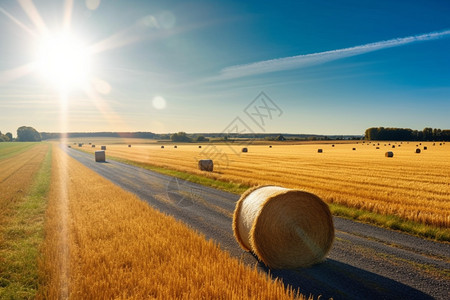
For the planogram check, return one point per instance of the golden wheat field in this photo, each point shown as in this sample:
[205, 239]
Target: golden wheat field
[413, 186]
[96, 248]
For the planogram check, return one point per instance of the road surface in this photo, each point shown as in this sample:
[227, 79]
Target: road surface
[365, 262]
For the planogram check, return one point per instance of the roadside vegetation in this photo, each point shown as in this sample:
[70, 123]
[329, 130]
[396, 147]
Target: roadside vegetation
[24, 181]
[409, 192]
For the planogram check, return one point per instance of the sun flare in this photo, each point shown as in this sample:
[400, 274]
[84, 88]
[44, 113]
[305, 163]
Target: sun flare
[64, 61]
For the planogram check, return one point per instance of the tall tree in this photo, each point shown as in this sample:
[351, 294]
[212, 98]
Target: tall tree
[28, 134]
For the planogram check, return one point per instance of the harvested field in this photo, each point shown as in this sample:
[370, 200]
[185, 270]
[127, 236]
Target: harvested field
[413, 187]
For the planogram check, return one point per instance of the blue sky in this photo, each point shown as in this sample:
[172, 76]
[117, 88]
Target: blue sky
[332, 67]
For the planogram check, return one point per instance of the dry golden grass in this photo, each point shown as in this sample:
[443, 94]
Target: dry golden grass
[415, 187]
[104, 243]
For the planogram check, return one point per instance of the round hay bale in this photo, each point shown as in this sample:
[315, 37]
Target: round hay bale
[90, 143]
[100, 156]
[175, 146]
[244, 150]
[270, 146]
[129, 146]
[285, 228]
[425, 148]
[353, 149]
[389, 154]
[393, 146]
[103, 147]
[162, 147]
[80, 145]
[93, 146]
[377, 148]
[69, 146]
[319, 150]
[332, 145]
[417, 150]
[206, 165]
[199, 147]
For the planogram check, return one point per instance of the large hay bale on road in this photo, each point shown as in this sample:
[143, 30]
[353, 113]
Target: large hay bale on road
[103, 148]
[206, 165]
[389, 154]
[100, 156]
[285, 228]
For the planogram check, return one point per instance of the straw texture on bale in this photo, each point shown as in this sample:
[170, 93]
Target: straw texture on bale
[103, 147]
[389, 154]
[319, 150]
[417, 150]
[285, 228]
[206, 165]
[100, 156]
[244, 150]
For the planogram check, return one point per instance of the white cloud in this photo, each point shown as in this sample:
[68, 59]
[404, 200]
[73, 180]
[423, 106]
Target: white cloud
[300, 61]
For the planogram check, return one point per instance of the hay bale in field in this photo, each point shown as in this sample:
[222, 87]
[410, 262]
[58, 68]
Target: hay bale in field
[377, 148]
[270, 146]
[285, 228]
[175, 146]
[244, 150]
[100, 156]
[389, 154]
[417, 150]
[434, 144]
[69, 146]
[385, 145]
[399, 145]
[425, 148]
[103, 147]
[80, 145]
[162, 147]
[199, 147]
[129, 146]
[332, 145]
[319, 150]
[206, 165]
[440, 144]
[353, 149]
[93, 146]
[393, 146]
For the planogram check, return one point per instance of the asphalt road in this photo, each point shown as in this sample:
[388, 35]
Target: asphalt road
[365, 262]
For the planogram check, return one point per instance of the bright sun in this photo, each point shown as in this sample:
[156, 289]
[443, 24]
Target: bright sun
[64, 61]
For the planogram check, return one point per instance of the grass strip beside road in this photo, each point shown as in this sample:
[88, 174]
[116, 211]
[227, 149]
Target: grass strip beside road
[386, 221]
[22, 232]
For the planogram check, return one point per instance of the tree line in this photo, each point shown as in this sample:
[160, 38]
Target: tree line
[24, 134]
[407, 134]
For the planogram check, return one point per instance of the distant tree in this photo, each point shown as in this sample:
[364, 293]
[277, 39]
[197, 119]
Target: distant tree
[9, 135]
[180, 137]
[201, 138]
[28, 134]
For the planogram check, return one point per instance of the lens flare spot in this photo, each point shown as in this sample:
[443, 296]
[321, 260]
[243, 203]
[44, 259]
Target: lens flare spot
[159, 102]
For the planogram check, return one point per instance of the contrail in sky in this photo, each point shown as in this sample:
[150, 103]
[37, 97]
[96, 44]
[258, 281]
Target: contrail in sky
[300, 61]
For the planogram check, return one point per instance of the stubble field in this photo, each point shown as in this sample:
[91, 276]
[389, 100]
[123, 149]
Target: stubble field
[413, 186]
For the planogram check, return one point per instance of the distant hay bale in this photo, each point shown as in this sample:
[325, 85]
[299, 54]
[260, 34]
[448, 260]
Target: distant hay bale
[270, 146]
[100, 156]
[417, 150]
[129, 146]
[393, 146]
[332, 145]
[93, 146]
[377, 148]
[69, 146]
[353, 149]
[162, 147]
[285, 228]
[244, 150]
[319, 150]
[389, 154]
[80, 145]
[206, 165]
[399, 145]
[199, 147]
[103, 148]
[175, 146]
[425, 148]
[440, 144]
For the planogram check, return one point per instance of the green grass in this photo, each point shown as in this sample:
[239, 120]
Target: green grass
[386, 221]
[8, 149]
[23, 235]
